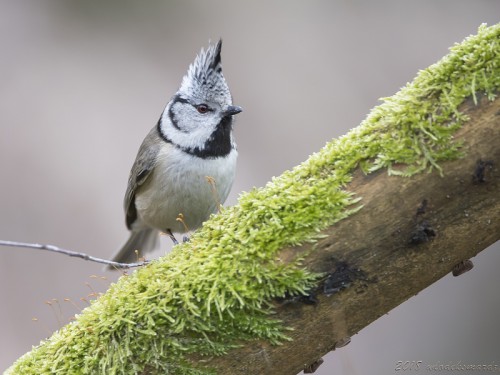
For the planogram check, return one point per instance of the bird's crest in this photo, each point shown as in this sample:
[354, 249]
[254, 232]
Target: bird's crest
[204, 78]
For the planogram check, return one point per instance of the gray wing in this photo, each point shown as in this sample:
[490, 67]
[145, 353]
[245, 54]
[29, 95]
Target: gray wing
[143, 165]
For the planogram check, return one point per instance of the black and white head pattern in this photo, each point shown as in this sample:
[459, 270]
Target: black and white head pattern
[198, 119]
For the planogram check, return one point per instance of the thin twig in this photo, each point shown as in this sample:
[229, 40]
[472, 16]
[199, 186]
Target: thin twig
[71, 253]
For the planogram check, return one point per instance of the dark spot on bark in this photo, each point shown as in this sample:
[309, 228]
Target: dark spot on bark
[309, 299]
[422, 207]
[423, 233]
[343, 276]
[309, 369]
[462, 267]
[481, 171]
[306, 299]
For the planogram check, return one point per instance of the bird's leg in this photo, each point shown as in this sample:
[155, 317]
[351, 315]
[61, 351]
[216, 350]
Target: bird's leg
[172, 237]
[180, 219]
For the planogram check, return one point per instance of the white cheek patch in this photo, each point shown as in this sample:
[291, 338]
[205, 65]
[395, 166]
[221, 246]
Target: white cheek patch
[187, 129]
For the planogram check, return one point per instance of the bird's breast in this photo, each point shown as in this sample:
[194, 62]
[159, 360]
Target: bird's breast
[183, 184]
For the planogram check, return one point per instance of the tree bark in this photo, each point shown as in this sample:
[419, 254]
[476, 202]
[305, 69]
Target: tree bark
[410, 233]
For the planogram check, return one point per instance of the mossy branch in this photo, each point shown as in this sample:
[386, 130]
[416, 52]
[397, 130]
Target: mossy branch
[410, 233]
[337, 231]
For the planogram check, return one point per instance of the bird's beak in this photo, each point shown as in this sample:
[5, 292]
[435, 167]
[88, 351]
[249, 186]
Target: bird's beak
[232, 110]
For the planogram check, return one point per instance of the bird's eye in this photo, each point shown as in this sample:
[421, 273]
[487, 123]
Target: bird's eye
[202, 108]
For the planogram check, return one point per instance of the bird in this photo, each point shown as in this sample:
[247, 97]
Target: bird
[185, 166]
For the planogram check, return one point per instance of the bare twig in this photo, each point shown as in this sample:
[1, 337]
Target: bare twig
[71, 253]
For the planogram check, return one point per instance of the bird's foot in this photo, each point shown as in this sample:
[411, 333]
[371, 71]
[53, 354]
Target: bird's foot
[172, 237]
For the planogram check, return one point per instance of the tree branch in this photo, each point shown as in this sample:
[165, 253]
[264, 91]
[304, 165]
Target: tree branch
[409, 234]
[71, 253]
[321, 251]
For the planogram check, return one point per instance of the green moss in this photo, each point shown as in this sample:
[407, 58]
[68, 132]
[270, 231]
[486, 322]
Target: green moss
[213, 293]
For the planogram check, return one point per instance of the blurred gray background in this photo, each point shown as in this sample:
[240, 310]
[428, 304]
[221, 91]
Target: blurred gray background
[82, 82]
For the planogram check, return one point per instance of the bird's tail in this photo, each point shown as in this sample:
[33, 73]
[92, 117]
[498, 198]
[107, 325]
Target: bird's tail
[143, 241]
